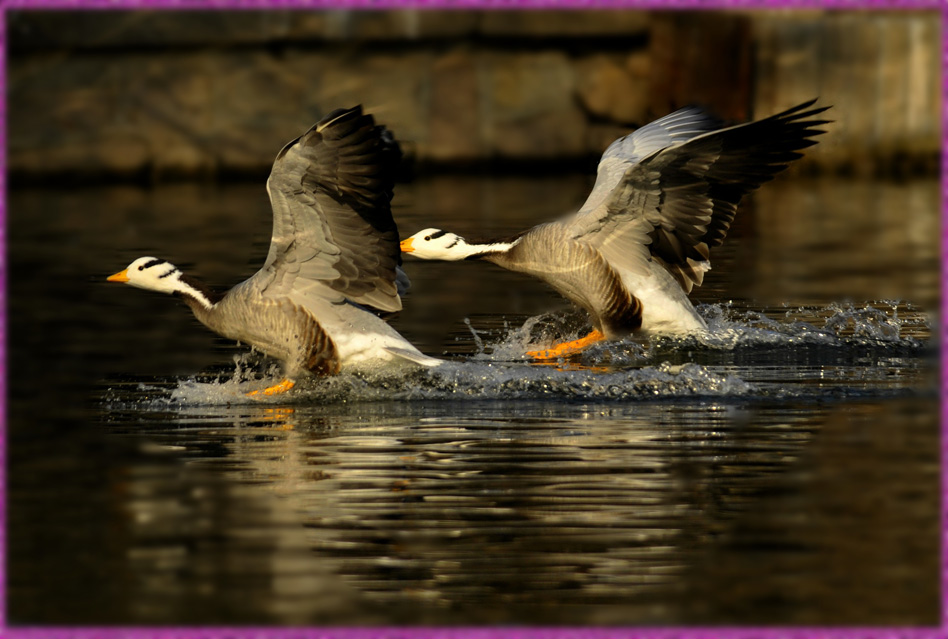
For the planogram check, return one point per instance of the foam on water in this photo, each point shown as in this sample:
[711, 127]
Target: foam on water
[875, 324]
[473, 380]
[624, 370]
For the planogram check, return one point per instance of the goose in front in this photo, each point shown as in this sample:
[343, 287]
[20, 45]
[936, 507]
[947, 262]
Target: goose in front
[664, 196]
[333, 268]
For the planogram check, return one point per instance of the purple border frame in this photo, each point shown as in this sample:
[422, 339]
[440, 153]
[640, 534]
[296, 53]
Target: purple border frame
[512, 632]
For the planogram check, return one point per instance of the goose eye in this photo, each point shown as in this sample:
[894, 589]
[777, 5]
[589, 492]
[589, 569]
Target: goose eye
[427, 238]
[141, 267]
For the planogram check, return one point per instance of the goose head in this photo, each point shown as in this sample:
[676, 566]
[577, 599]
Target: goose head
[150, 273]
[435, 244]
[155, 274]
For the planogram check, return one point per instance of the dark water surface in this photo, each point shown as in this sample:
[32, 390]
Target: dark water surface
[783, 470]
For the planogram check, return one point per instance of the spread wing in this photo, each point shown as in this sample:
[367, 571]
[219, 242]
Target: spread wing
[674, 128]
[678, 201]
[334, 237]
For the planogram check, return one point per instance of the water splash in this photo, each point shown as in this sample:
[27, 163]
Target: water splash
[477, 338]
[724, 362]
[876, 323]
[837, 325]
[474, 381]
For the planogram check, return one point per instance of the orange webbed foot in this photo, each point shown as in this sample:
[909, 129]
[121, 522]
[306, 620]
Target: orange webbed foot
[567, 348]
[282, 387]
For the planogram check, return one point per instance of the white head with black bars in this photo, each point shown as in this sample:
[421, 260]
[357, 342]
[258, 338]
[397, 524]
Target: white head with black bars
[160, 275]
[435, 244]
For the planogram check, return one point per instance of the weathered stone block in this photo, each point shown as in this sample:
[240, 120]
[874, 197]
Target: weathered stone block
[125, 92]
[454, 116]
[614, 88]
[701, 57]
[879, 73]
[528, 106]
[394, 88]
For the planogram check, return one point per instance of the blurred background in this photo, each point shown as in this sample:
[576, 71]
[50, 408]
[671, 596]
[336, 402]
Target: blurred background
[156, 95]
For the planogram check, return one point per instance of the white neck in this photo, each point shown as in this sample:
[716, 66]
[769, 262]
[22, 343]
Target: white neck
[166, 278]
[464, 250]
[186, 288]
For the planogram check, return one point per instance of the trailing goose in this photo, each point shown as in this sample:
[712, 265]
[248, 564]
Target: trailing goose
[664, 196]
[334, 262]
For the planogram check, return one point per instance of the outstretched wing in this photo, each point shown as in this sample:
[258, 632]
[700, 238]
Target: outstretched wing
[333, 231]
[679, 201]
[674, 128]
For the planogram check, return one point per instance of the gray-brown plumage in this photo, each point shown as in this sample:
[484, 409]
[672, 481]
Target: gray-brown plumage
[333, 264]
[579, 273]
[664, 196]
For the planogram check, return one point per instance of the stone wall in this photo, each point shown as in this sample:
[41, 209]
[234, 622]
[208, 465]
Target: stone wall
[135, 94]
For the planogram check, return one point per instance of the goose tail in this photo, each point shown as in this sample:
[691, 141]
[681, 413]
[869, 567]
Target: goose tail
[413, 356]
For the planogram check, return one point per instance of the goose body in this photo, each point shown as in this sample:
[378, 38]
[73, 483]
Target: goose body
[663, 197]
[333, 269]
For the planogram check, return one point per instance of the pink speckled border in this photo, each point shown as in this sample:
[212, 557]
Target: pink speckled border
[495, 632]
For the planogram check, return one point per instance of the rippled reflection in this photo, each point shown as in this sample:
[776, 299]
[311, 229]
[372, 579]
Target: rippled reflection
[609, 513]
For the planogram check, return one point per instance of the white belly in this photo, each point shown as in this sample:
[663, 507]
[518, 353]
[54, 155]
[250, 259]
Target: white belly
[366, 342]
[666, 309]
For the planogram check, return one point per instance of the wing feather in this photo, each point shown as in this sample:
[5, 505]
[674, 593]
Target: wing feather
[679, 201]
[333, 230]
[674, 128]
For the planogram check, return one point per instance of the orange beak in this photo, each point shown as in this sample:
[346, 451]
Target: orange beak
[406, 246]
[121, 276]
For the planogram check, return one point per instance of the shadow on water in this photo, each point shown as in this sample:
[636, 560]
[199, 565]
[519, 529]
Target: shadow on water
[783, 469]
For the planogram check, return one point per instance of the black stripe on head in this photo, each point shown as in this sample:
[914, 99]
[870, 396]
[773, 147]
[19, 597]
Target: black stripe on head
[435, 235]
[168, 274]
[154, 262]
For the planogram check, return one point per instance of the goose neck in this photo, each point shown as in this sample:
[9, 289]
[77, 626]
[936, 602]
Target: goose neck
[195, 293]
[473, 250]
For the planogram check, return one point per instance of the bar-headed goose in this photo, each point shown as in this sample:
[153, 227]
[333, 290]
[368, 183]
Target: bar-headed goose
[333, 265]
[663, 197]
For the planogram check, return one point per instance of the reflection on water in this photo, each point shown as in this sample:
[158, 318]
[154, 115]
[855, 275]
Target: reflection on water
[782, 470]
[609, 513]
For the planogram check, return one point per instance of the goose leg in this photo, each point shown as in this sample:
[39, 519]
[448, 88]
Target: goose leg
[282, 387]
[568, 348]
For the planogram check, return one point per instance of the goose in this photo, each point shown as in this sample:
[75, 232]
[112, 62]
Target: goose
[664, 196]
[333, 268]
